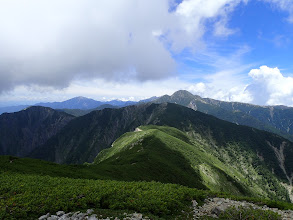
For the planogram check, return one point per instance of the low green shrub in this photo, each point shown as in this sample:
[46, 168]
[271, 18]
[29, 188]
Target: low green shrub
[30, 196]
[242, 213]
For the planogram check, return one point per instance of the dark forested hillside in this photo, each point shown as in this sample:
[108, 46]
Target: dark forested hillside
[23, 131]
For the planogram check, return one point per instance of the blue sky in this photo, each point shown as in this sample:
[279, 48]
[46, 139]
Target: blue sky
[232, 50]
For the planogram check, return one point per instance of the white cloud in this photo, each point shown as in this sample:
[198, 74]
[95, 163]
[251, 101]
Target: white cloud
[98, 89]
[104, 48]
[267, 86]
[229, 94]
[191, 16]
[285, 5]
[52, 42]
[270, 87]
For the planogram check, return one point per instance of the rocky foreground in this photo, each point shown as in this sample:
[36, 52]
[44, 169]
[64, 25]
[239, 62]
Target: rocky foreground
[60, 215]
[212, 207]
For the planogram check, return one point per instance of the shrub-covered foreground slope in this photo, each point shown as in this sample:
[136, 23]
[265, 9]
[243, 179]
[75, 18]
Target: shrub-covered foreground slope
[30, 196]
[156, 151]
[31, 188]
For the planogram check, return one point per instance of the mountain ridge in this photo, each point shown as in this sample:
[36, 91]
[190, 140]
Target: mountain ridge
[276, 119]
[79, 102]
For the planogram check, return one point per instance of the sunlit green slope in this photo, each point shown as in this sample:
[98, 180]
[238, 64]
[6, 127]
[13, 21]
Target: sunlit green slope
[160, 152]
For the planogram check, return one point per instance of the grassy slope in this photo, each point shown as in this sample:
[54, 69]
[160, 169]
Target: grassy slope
[133, 152]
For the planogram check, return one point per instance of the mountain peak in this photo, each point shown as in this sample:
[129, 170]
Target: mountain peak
[79, 98]
[182, 93]
[38, 108]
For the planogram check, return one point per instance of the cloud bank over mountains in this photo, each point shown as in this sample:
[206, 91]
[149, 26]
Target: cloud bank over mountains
[52, 42]
[56, 43]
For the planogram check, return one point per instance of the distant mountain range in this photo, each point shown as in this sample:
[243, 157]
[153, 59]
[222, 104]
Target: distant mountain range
[86, 105]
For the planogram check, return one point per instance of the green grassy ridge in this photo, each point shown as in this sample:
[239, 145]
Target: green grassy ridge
[194, 154]
[149, 159]
[134, 137]
[219, 169]
[30, 196]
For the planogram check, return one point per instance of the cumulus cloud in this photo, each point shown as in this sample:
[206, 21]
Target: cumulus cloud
[229, 94]
[52, 42]
[270, 87]
[267, 86]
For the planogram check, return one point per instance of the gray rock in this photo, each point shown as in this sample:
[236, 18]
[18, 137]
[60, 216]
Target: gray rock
[43, 217]
[53, 217]
[74, 216]
[89, 211]
[81, 216]
[194, 203]
[218, 209]
[93, 217]
[60, 213]
[137, 216]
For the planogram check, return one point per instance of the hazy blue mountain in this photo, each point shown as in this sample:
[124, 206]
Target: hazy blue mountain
[10, 109]
[120, 103]
[148, 100]
[74, 103]
[78, 106]
[81, 112]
